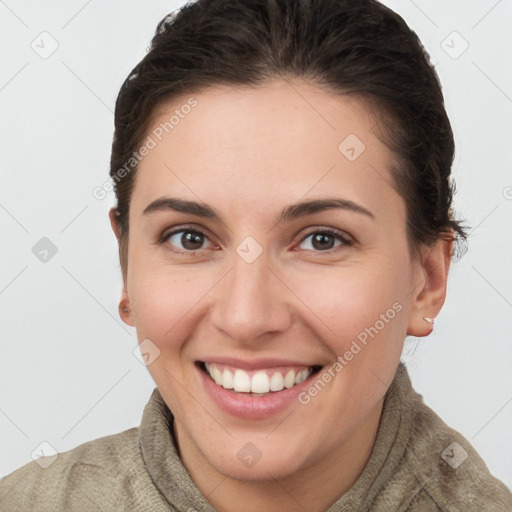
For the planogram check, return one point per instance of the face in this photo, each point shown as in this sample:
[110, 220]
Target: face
[303, 309]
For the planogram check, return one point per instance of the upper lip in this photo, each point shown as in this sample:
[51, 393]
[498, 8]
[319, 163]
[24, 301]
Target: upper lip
[255, 364]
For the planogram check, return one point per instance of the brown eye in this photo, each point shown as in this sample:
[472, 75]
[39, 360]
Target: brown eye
[186, 240]
[325, 240]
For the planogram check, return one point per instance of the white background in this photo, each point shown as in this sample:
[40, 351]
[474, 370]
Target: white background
[67, 370]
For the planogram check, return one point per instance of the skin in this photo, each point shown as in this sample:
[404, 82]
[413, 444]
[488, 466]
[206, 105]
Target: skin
[250, 152]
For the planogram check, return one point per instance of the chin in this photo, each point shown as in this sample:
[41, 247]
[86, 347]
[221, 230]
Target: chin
[257, 458]
[269, 468]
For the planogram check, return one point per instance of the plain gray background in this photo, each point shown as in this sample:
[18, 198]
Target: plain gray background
[68, 373]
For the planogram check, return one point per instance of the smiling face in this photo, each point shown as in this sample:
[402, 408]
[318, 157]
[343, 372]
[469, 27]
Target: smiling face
[229, 276]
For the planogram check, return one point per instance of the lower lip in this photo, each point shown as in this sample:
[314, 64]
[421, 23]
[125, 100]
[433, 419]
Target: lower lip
[251, 407]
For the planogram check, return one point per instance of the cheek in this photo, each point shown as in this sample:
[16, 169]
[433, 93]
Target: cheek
[357, 303]
[161, 305]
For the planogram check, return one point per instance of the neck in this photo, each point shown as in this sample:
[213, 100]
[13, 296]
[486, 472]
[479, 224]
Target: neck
[313, 488]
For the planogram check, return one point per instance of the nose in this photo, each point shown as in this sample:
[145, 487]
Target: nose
[251, 302]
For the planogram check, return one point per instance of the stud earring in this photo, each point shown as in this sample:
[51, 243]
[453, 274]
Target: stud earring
[429, 320]
[124, 309]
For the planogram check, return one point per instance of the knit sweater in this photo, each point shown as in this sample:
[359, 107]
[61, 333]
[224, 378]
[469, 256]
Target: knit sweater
[418, 464]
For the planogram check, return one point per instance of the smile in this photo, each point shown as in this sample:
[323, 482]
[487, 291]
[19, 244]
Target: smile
[258, 381]
[254, 390]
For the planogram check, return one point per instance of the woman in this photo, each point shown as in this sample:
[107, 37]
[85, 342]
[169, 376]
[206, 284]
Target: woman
[282, 173]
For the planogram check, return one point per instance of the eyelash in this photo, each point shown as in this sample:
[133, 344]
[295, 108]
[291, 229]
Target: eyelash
[335, 233]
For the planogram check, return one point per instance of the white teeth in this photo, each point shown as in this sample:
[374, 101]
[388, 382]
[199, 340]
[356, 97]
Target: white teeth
[242, 382]
[289, 379]
[217, 376]
[260, 383]
[276, 382]
[227, 379]
[301, 376]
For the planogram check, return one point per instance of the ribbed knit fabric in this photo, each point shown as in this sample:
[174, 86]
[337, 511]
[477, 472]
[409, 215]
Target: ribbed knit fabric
[416, 466]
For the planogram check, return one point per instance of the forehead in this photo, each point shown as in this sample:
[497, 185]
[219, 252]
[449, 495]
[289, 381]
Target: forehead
[276, 142]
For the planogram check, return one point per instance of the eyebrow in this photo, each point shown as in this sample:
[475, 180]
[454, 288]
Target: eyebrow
[291, 212]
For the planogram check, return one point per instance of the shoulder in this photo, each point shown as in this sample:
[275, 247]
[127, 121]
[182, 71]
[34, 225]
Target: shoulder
[448, 471]
[89, 474]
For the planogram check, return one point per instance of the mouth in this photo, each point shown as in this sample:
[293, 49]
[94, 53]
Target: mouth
[257, 382]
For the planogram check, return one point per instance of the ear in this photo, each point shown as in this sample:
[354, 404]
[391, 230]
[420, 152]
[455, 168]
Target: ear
[430, 289]
[114, 222]
[125, 309]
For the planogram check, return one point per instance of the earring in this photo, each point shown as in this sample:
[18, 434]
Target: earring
[429, 320]
[124, 309]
